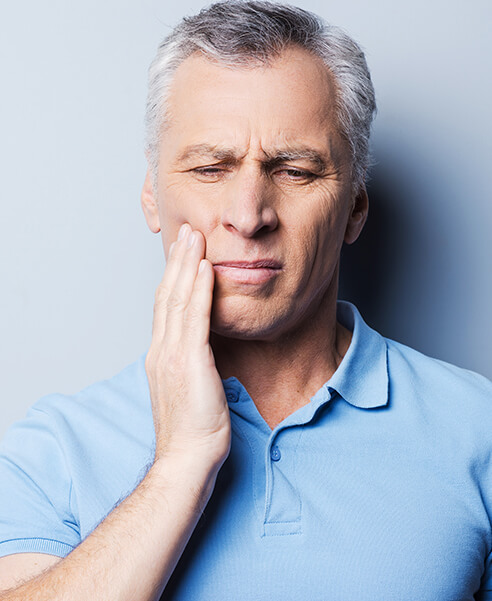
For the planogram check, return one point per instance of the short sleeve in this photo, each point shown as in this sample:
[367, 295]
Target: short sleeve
[35, 490]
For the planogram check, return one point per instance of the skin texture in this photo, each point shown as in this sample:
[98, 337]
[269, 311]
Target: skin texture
[20, 567]
[273, 182]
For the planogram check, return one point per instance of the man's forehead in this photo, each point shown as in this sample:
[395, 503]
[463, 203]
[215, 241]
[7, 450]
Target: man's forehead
[208, 85]
[283, 111]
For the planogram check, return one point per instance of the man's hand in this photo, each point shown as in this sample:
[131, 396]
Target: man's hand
[191, 416]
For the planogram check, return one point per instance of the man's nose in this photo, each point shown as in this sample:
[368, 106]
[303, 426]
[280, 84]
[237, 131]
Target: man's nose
[250, 207]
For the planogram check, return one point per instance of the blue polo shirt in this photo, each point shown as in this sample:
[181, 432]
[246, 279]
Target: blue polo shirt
[379, 488]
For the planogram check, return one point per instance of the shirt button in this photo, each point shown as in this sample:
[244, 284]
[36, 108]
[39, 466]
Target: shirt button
[232, 396]
[275, 453]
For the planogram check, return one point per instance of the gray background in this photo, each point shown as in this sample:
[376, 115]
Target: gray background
[78, 266]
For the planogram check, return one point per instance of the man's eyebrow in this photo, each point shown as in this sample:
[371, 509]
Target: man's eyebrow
[296, 154]
[200, 150]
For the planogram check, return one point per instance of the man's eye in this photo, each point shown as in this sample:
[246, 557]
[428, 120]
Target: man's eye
[296, 174]
[207, 171]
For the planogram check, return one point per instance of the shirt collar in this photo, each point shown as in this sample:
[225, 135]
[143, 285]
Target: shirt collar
[362, 376]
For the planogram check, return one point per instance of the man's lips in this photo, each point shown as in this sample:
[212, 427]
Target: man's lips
[248, 272]
[259, 264]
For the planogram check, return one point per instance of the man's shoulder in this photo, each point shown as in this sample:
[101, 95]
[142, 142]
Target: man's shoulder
[73, 457]
[119, 404]
[129, 385]
[425, 366]
[438, 382]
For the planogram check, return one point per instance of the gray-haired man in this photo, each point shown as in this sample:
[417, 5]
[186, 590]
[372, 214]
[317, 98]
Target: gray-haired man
[294, 452]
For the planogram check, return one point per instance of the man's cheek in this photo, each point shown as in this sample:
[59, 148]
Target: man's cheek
[174, 215]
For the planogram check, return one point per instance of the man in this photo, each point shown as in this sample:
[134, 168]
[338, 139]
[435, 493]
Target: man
[266, 447]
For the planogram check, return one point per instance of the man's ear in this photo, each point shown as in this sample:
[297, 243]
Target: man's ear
[358, 216]
[150, 205]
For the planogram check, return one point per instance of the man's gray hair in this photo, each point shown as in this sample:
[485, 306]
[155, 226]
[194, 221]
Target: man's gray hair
[244, 33]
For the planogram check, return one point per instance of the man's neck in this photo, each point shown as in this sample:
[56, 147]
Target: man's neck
[282, 375]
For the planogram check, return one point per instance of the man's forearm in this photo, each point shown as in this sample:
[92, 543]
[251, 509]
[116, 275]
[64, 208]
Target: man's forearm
[131, 555]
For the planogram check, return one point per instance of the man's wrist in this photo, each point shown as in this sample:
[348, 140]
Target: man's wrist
[189, 474]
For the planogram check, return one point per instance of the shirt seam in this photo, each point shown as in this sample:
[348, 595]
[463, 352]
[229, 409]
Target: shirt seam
[43, 538]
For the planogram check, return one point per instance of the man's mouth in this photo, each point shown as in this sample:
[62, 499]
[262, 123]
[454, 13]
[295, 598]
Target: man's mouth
[248, 272]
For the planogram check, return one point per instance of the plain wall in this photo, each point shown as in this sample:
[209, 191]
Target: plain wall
[78, 266]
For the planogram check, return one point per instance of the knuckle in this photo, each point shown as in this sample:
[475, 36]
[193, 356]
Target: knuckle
[175, 302]
[194, 314]
[150, 363]
[161, 294]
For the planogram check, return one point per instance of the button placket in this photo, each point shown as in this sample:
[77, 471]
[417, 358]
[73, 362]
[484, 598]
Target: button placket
[283, 504]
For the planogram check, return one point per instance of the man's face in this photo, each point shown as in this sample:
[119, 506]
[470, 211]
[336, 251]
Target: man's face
[253, 159]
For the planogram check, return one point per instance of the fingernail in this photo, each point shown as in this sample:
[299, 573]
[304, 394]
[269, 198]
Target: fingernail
[191, 240]
[201, 267]
[183, 230]
[171, 248]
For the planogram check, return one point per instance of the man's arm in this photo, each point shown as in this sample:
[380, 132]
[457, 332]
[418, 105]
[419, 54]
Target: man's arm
[133, 552]
[21, 567]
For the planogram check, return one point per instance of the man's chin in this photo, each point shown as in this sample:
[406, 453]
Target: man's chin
[238, 329]
[244, 320]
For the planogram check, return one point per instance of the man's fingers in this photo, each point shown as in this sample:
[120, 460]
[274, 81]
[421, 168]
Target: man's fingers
[197, 324]
[180, 295]
[173, 262]
[175, 269]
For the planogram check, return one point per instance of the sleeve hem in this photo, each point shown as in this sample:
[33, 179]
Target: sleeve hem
[34, 545]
